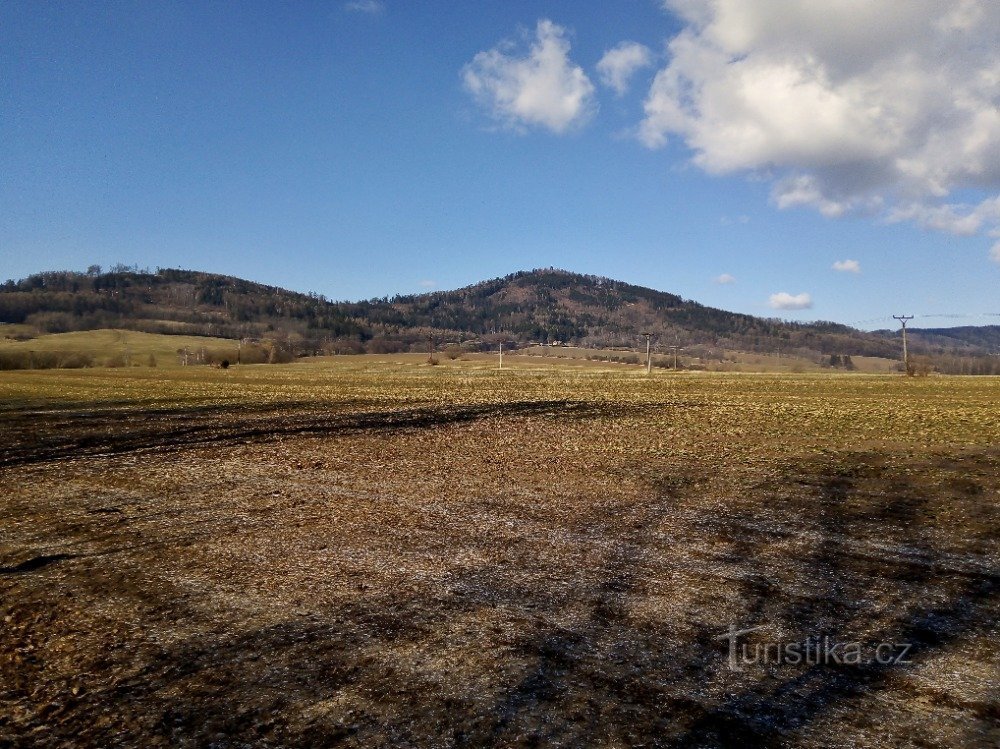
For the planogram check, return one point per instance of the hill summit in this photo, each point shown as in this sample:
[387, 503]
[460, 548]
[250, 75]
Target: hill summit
[546, 306]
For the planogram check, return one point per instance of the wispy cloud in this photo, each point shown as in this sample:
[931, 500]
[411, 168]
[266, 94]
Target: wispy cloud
[619, 64]
[725, 278]
[784, 300]
[427, 284]
[730, 220]
[539, 88]
[847, 266]
[995, 253]
[371, 7]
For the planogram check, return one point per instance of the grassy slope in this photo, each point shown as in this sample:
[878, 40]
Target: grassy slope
[105, 344]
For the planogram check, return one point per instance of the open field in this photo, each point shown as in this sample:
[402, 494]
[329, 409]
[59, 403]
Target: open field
[370, 551]
[732, 361]
[143, 349]
[102, 346]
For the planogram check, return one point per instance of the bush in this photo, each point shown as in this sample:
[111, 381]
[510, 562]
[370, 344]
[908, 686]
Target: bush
[920, 367]
[76, 361]
[279, 355]
[13, 360]
[380, 345]
[10, 360]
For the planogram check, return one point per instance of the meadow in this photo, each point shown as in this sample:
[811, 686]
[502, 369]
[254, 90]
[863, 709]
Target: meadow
[373, 551]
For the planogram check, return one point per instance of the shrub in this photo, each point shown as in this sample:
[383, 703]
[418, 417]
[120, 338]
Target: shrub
[76, 361]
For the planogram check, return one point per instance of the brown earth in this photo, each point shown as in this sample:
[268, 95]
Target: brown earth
[424, 560]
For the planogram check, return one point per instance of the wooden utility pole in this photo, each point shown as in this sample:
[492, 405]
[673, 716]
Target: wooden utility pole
[649, 361]
[675, 349]
[906, 358]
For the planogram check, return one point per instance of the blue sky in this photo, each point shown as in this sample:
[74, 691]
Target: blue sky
[369, 148]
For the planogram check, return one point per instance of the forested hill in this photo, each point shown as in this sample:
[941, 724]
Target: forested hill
[170, 301]
[544, 306]
[985, 337]
[548, 306]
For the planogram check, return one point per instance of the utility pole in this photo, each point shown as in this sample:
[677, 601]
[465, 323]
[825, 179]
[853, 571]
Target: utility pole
[675, 348]
[501, 354]
[649, 361]
[903, 320]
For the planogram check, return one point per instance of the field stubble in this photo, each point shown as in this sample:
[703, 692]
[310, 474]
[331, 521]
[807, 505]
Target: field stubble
[391, 554]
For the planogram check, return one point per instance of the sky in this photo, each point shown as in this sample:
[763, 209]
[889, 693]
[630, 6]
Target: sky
[833, 161]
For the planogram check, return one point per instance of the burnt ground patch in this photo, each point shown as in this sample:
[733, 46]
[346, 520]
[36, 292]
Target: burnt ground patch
[39, 438]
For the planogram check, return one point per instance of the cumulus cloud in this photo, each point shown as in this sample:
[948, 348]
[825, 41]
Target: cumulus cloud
[619, 64]
[725, 278]
[784, 300]
[371, 7]
[847, 266]
[542, 88]
[888, 107]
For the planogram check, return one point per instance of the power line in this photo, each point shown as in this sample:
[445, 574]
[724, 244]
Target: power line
[942, 315]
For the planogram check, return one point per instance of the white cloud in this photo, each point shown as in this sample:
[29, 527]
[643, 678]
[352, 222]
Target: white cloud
[427, 284]
[995, 253]
[886, 107]
[784, 300]
[847, 266]
[619, 64]
[725, 278]
[956, 219]
[542, 88]
[372, 7]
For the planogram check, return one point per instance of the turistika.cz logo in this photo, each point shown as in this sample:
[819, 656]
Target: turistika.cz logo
[813, 651]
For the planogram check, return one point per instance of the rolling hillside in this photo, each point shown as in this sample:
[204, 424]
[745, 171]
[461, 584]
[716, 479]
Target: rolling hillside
[544, 306]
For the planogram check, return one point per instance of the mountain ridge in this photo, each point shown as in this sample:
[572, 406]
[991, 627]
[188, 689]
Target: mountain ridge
[545, 305]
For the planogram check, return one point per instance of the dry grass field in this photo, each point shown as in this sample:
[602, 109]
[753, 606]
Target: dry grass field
[107, 345]
[371, 551]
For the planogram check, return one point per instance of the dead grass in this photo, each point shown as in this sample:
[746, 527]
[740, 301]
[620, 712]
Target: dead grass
[105, 345]
[379, 554]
